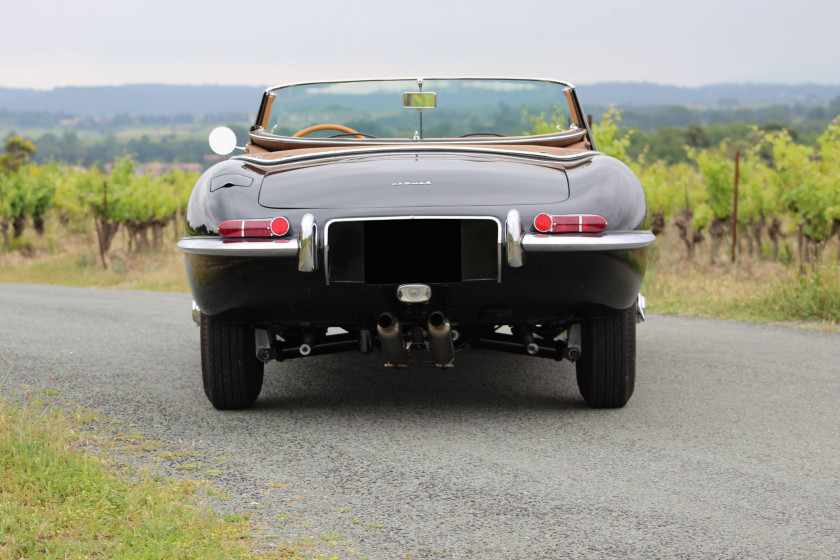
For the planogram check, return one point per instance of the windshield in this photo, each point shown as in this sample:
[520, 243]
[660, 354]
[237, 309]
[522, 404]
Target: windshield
[447, 108]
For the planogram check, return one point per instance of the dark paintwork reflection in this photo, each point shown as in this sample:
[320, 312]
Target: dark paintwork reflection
[550, 286]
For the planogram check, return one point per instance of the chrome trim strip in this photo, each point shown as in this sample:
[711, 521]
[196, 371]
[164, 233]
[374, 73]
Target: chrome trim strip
[308, 256]
[424, 217]
[513, 238]
[215, 246]
[417, 149]
[577, 134]
[499, 259]
[623, 241]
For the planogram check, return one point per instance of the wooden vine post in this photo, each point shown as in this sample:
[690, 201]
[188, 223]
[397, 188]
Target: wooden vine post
[735, 206]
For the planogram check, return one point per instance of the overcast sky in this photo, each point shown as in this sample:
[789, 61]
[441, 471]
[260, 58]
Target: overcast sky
[50, 43]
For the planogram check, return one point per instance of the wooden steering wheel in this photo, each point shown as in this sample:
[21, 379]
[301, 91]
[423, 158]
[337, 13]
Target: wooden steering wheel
[317, 127]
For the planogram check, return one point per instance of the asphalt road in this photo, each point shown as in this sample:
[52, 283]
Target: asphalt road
[730, 447]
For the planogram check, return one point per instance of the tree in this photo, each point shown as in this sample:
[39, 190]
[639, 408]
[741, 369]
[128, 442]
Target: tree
[718, 171]
[18, 152]
[758, 200]
[696, 137]
[607, 135]
[808, 180]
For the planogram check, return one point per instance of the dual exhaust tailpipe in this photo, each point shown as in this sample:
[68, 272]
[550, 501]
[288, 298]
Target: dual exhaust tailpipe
[392, 338]
[440, 340]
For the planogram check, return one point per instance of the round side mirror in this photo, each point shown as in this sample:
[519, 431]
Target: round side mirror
[222, 140]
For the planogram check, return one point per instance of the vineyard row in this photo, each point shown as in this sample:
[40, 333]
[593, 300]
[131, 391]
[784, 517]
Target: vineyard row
[785, 190]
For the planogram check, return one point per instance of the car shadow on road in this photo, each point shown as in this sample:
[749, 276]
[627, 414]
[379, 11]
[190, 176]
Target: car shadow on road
[479, 380]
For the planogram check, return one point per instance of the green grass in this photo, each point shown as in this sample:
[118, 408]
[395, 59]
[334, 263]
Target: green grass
[189, 466]
[74, 260]
[751, 289]
[748, 291]
[159, 271]
[814, 296]
[62, 497]
[179, 454]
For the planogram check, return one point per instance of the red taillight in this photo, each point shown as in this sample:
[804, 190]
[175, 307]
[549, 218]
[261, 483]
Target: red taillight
[267, 227]
[572, 223]
[542, 222]
[279, 226]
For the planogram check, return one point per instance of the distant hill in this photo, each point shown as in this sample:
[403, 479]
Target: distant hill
[157, 99]
[635, 94]
[140, 99]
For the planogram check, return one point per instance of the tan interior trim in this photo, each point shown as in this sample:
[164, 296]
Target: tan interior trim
[567, 139]
[268, 167]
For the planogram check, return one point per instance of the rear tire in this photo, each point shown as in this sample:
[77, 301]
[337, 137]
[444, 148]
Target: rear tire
[606, 371]
[232, 374]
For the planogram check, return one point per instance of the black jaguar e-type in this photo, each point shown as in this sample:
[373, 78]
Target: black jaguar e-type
[413, 219]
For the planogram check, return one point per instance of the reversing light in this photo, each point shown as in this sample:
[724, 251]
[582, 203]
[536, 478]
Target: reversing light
[267, 227]
[571, 223]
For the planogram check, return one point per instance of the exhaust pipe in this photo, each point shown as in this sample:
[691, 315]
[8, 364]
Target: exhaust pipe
[391, 337]
[440, 340]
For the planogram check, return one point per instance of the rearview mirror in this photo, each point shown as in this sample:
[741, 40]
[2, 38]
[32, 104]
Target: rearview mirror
[222, 140]
[419, 100]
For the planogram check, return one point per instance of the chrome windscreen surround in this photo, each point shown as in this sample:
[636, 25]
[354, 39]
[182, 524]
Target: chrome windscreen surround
[620, 241]
[308, 256]
[419, 79]
[215, 246]
[513, 238]
[262, 130]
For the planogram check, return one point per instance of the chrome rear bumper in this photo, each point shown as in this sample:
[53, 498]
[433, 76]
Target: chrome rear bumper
[516, 242]
[624, 241]
[239, 248]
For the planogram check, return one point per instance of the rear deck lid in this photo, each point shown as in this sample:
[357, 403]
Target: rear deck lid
[414, 180]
